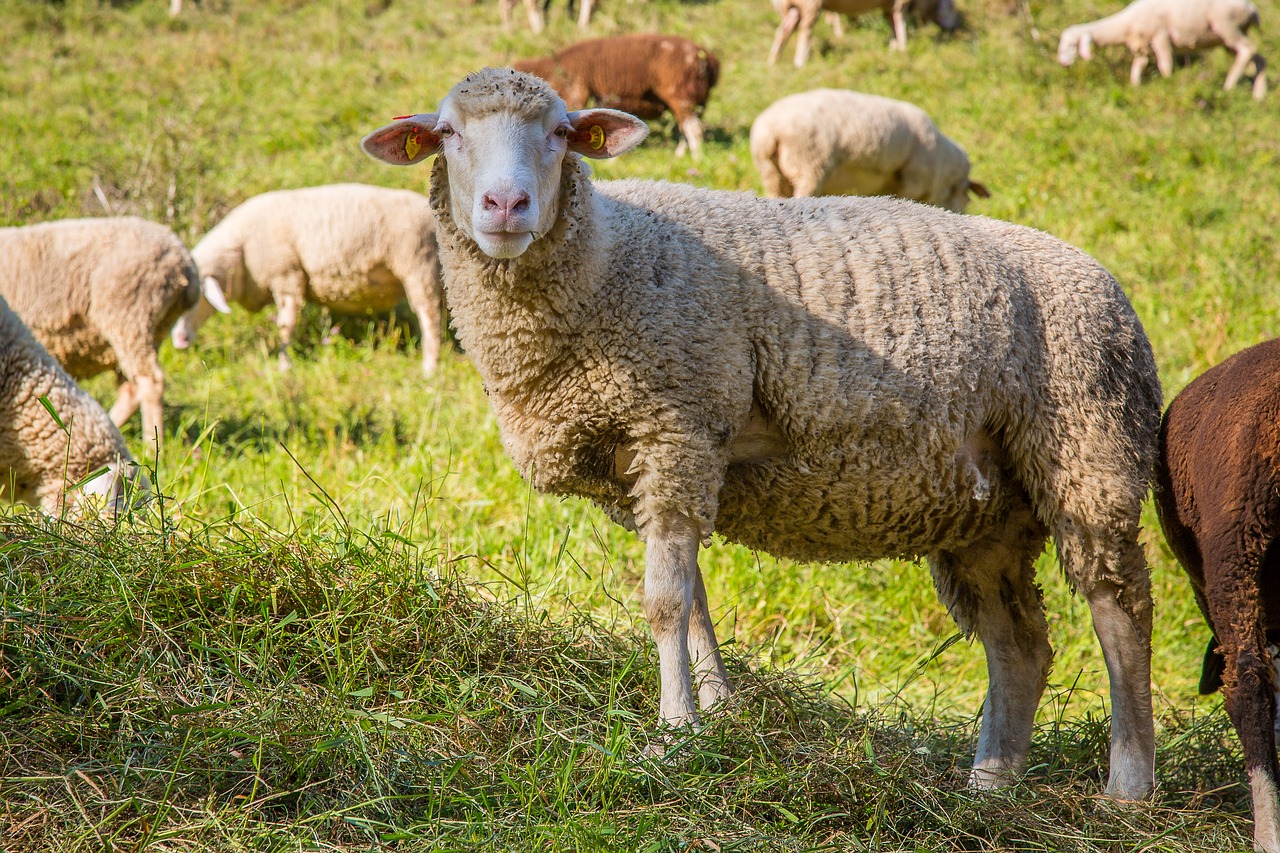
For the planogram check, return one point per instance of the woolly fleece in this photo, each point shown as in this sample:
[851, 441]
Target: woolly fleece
[34, 455]
[837, 142]
[352, 248]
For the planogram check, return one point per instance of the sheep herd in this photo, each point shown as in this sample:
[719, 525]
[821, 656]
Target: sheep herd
[823, 378]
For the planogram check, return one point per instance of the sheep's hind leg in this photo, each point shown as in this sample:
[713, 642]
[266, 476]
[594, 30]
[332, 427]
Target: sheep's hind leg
[1249, 687]
[1140, 61]
[785, 28]
[1110, 569]
[709, 674]
[989, 588]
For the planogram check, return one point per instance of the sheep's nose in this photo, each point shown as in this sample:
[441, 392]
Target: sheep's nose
[506, 203]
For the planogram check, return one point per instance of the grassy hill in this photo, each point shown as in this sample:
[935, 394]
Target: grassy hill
[351, 624]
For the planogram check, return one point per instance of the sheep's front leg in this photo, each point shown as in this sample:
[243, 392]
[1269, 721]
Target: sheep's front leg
[1162, 46]
[670, 577]
[785, 28]
[1140, 61]
[899, 20]
[288, 307]
[709, 673]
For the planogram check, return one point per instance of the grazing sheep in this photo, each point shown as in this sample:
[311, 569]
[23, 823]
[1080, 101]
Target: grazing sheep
[38, 460]
[824, 379]
[537, 13]
[836, 142]
[644, 75]
[100, 294]
[349, 247]
[804, 14]
[1218, 497]
[1161, 26]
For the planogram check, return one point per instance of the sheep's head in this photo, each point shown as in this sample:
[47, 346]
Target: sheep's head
[504, 135]
[109, 492]
[1075, 41]
[211, 299]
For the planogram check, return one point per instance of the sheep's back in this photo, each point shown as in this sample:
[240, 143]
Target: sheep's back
[883, 336]
[343, 238]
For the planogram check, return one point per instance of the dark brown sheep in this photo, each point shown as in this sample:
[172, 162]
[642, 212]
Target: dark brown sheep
[644, 74]
[1218, 496]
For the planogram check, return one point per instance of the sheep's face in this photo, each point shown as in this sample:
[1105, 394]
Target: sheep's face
[504, 135]
[211, 300]
[104, 495]
[1074, 42]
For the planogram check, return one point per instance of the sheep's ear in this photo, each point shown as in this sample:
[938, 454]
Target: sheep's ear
[213, 292]
[405, 141]
[600, 134]
[979, 190]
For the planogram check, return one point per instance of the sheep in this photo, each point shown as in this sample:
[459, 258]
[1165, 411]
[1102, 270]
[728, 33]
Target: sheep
[38, 459]
[537, 14]
[643, 74]
[1161, 26]
[837, 142]
[349, 247]
[100, 294]
[804, 13]
[1218, 499]
[825, 379]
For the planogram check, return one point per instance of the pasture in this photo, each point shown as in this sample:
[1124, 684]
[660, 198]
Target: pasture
[350, 625]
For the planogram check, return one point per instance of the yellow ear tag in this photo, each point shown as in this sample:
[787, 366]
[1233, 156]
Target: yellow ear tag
[597, 137]
[412, 146]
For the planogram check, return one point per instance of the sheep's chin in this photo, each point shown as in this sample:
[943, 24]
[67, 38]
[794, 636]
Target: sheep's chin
[503, 245]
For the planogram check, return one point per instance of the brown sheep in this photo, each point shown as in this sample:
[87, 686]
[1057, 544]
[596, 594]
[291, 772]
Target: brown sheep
[1218, 497]
[643, 74]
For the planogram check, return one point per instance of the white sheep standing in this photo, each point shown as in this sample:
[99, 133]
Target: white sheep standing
[349, 247]
[803, 14]
[1162, 26]
[537, 9]
[825, 379]
[837, 142]
[38, 459]
[100, 294]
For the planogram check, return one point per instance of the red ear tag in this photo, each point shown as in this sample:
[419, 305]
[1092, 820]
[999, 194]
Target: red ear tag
[597, 137]
[397, 118]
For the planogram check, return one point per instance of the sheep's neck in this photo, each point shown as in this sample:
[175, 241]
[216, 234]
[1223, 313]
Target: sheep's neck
[520, 319]
[1113, 29]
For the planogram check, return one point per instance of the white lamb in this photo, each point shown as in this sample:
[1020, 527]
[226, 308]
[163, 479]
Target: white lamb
[101, 294]
[803, 14]
[837, 142]
[1162, 26]
[38, 458]
[827, 379]
[349, 247]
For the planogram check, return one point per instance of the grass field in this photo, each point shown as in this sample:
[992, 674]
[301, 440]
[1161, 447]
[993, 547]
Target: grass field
[350, 625]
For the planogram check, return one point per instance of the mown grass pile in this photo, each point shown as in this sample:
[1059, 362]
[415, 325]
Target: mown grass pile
[350, 623]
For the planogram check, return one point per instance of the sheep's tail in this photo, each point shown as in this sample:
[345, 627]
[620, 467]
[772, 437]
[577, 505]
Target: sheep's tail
[764, 152]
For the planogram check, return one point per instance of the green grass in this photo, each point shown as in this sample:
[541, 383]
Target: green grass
[351, 624]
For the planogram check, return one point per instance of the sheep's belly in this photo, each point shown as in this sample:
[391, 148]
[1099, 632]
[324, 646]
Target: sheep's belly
[356, 292]
[783, 509]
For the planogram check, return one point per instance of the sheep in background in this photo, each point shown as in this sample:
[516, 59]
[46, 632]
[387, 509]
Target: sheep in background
[100, 294]
[1161, 26]
[537, 14]
[38, 460]
[825, 379]
[803, 14]
[1218, 498]
[644, 75]
[836, 142]
[351, 248]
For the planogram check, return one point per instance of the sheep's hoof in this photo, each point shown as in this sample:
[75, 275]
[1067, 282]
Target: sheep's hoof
[668, 741]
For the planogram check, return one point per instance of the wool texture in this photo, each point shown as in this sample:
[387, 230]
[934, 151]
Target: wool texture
[37, 459]
[99, 294]
[837, 142]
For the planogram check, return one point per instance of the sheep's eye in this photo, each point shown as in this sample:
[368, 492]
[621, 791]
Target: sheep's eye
[562, 132]
[445, 131]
